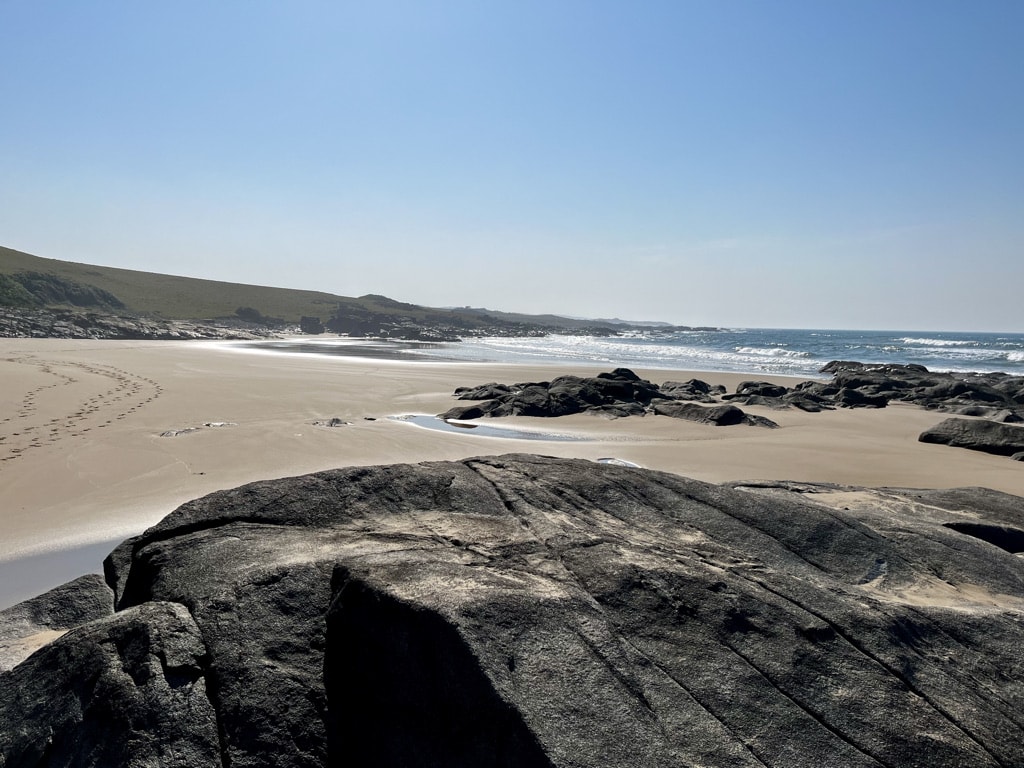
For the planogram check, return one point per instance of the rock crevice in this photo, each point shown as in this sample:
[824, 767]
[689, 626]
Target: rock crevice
[530, 611]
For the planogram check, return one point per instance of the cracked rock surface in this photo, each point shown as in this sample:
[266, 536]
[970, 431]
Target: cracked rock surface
[531, 611]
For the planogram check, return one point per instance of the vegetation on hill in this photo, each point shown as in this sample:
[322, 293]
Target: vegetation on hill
[30, 282]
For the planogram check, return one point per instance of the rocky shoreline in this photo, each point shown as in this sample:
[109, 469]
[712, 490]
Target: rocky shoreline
[82, 324]
[995, 401]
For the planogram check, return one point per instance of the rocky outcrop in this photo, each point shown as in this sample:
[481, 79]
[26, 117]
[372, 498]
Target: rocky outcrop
[613, 394]
[76, 324]
[948, 392]
[996, 396]
[977, 435]
[617, 393]
[529, 611]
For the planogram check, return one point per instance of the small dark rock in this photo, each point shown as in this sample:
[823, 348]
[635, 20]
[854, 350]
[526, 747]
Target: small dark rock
[719, 415]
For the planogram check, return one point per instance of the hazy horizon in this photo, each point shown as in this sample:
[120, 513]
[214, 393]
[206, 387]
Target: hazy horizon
[850, 165]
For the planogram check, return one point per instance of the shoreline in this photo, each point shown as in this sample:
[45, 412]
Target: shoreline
[82, 459]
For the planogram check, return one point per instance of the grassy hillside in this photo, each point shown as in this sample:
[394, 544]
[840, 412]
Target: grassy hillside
[28, 281]
[176, 298]
[32, 282]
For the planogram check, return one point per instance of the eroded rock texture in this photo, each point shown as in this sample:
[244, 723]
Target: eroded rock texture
[530, 611]
[977, 435]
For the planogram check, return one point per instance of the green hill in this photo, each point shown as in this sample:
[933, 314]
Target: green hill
[163, 296]
[32, 282]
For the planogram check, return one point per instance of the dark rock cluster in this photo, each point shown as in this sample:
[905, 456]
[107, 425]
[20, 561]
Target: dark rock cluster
[975, 394]
[996, 400]
[528, 611]
[614, 394]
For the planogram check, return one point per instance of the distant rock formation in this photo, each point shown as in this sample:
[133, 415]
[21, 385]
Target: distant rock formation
[995, 397]
[76, 324]
[855, 384]
[614, 394]
[311, 325]
[529, 611]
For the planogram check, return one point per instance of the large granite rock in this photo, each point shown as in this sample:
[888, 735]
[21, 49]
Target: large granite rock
[530, 611]
[978, 435]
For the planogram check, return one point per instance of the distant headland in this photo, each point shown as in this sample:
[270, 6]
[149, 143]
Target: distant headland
[48, 298]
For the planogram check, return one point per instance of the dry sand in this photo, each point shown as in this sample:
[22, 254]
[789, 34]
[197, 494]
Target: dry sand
[83, 462]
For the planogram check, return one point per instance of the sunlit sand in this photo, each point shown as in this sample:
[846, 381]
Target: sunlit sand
[99, 440]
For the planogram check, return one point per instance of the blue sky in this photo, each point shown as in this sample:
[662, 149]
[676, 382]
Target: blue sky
[846, 164]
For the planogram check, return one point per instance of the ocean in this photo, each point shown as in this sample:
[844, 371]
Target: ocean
[776, 351]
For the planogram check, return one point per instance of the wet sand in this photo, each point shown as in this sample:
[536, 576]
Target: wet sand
[83, 462]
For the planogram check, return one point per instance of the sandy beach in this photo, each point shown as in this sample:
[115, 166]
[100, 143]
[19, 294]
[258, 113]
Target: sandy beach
[86, 460]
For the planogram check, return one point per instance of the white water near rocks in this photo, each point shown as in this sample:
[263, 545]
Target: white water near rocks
[775, 351]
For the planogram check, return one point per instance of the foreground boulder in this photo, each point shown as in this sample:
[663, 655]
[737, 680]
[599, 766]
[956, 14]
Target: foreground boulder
[978, 435]
[530, 611]
[121, 691]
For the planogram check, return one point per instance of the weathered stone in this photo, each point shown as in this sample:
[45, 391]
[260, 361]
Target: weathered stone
[762, 388]
[718, 415]
[977, 435]
[694, 389]
[483, 392]
[27, 625]
[127, 690]
[528, 611]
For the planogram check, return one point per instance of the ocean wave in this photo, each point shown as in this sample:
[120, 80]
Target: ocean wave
[939, 342]
[772, 352]
[790, 353]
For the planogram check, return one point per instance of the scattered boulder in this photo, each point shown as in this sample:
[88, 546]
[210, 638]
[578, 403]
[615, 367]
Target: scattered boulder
[616, 394]
[977, 435]
[719, 415]
[530, 611]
